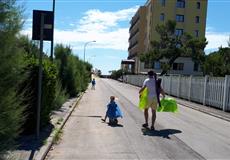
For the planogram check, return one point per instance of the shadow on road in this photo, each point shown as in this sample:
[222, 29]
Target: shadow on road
[31, 143]
[115, 125]
[92, 116]
[164, 133]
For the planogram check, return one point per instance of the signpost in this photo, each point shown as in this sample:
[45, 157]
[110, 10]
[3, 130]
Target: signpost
[52, 42]
[48, 25]
[42, 30]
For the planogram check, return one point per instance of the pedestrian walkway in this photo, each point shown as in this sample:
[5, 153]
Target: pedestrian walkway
[208, 110]
[29, 147]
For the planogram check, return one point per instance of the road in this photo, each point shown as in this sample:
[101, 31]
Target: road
[188, 134]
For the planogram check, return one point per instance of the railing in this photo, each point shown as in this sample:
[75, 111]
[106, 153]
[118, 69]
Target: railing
[211, 91]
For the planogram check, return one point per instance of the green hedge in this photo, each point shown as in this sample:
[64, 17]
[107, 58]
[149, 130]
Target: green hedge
[11, 107]
[73, 72]
[30, 88]
[67, 75]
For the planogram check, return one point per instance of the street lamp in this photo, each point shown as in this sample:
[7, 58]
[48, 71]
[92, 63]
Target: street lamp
[85, 47]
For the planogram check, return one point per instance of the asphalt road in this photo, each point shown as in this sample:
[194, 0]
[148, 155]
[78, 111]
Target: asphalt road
[188, 134]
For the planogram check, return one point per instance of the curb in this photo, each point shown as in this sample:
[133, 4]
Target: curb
[203, 111]
[42, 153]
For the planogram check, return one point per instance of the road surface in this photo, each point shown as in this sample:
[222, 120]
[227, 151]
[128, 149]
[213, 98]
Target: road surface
[189, 134]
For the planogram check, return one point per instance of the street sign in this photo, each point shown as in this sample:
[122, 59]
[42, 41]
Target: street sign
[48, 25]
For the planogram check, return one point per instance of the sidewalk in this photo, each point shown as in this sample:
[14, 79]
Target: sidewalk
[29, 148]
[205, 109]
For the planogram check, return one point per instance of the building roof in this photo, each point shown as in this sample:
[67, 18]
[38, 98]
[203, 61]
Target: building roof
[127, 61]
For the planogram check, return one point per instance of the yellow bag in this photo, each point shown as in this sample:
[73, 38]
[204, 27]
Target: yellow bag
[143, 101]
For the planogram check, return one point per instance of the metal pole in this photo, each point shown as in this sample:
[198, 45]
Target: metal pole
[52, 42]
[84, 50]
[205, 89]
[85, 47]
[225, 98]
[40, 76]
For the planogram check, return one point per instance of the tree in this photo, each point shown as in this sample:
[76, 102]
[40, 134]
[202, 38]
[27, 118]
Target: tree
[171, 46]
[116, 74]
[73, 72]
[218, 63]
[99, 73]
[11, 63]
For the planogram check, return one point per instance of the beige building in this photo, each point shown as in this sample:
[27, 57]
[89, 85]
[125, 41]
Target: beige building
[137, 33]
[190, 16]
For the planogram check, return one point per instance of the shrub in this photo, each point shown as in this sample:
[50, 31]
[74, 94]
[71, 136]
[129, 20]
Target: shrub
[11, 108]
[60, 96]
[73, 73]
[30, 86]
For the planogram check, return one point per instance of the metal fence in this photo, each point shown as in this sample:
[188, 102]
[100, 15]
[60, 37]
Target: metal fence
[211, 91]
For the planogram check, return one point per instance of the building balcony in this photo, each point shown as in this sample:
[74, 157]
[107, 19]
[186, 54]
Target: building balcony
[134, 23]
[133, 45]
[132, 55]
[132, 35]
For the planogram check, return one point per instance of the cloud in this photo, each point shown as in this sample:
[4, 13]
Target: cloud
[217, 39]
[113, 57]
[101, 21]
[104, 27]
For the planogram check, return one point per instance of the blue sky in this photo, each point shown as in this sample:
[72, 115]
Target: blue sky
[107, 22]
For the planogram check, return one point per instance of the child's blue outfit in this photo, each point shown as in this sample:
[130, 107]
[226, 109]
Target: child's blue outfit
[93, 82]
[113, 111]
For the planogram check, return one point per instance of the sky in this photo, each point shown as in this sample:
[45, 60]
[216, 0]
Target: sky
[107, 23]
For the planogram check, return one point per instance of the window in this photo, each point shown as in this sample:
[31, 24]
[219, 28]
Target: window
[162, 2]
[157, 65]
[178, 66]
[162, 17]
[179, 18]
[148, 65]
[151, 8]
[179, 32]
[196, 66]
[180, 4]
[197, 33]
[162, 64]
[197, 19]
[198, 5]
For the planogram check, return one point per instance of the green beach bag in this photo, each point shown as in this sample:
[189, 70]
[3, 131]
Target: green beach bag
[168, 105]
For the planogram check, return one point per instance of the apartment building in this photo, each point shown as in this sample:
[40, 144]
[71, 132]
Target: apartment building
[137, 32]
[190, 16]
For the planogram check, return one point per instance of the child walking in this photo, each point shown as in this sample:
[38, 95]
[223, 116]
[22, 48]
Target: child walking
[113, 112]
[93, 83]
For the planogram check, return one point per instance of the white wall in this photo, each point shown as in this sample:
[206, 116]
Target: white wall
[187, 70]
